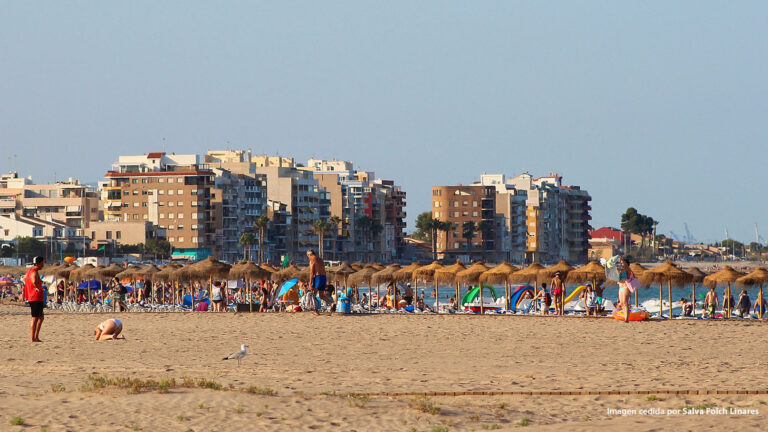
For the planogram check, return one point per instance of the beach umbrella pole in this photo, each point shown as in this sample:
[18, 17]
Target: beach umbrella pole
[669, 292]
[760, 307]
[693, 297]
[661, 299]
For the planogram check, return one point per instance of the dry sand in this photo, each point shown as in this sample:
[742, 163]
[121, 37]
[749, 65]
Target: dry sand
[312, 361]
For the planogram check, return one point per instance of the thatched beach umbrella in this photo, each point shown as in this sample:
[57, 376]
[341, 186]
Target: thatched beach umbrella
[448, 274]
[471, 276]
[357, 265]
[341, 273]
[363, 276]
[758, 276]
[428, 272]
[289, 272]
[593, 273]
[386, 275]
[698, 277]
[726, 277]
[500, 274]
[528, 275]
[406, 273]
[249, 271]
[561, 267]
[129, 272]
[667, 272]
[103, 274]
[64, 271]
[81, 272]
[148, 273]
[46, 271]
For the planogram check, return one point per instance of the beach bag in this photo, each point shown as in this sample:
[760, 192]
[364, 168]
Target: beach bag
[308, 302]
[633, 284]
[612, 274]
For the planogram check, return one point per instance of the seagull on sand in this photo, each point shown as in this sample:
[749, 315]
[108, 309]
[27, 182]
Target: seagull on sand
[237, 355]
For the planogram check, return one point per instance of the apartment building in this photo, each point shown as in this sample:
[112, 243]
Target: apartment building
[512, 234]
[458, 205]
[239, 200]
[69, 202]
[173, 192]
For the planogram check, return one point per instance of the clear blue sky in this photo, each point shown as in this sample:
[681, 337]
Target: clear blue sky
[657, 105]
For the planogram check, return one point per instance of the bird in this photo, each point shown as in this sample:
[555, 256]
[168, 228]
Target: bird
[237, 355]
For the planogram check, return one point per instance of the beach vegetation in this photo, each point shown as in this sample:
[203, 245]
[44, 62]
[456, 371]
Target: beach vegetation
[423, 404]
[492, 426]
[239, 409]
[209, 384]
[440, 429]
[201, 405]
[525, 421]
[474, 417]
[357, 401]
[502, 405]
[651, 398]
[259, 413]
[58, 388]
[265, 391]
[180, 417]
[17, 421]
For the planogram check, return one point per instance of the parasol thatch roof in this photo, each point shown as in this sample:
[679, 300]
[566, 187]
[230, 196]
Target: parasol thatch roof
[427, 271]
[723, 277]
[530, 274]
[357, 265]
[406, 273]
[698, 275]
[130, 272]
[637, 269]
[149, 272]
[20, 270]
[342, 270]
[758, 276]
[592, 272]
[667, 272]
[81, 272]
[378, 266]
[65, 271]
[291, 272]
[472, 274]
[248, 270]
[166, 273]
[498, 274]
[268, 268]
[46, 271]
[362, 277]
[385, 276]
[562, 266]
[208, 268]
[448, 274]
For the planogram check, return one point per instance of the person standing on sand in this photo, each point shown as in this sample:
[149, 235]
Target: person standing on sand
[624, 292]
[318, 279]
[558, 292]
[711, 302]
[33, 293]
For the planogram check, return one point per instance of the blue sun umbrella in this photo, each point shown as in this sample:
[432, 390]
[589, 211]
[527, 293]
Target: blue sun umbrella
[287, 286]
[92, 284]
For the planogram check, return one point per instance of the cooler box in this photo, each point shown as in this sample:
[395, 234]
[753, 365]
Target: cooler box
[344, 305]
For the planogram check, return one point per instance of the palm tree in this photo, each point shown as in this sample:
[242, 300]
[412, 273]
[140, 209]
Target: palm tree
[486, 228]
[246, 239]
[261, 224]
[434, 226]
[320, 227]
[334, 222]
[468, 230]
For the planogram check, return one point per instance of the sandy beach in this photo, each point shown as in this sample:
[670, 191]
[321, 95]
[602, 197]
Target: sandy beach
[310, 363]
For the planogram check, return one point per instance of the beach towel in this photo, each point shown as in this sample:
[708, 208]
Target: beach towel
[202, 307]
[611, 268]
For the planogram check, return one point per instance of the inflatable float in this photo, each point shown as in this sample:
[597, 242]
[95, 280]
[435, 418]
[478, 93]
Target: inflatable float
[634, 315]
[471, 301]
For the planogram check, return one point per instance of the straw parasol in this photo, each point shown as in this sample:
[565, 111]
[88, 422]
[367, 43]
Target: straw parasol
[81, 272]
[129, 272]
[166, 272]
[669, 273]
[286, 273]
[448, 274]
[342, 272]
[65, 271]
[406, 273]
[698, 276]
[528, 275]
[363, 276]
[148, 273]
[209, 268]
[758, 276]
[357, 265]
[500, 274]
[385, 276]
[428, 272]
[637, 269]
[592, 272]
[562, 266]
[46, 271]
[726, 277]
[248, 271]
[472, 276]
[378, 266]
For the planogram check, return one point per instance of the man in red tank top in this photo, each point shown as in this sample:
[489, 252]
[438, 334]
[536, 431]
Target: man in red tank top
[33, 293]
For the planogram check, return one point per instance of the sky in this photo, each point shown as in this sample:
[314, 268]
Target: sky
[656, 105]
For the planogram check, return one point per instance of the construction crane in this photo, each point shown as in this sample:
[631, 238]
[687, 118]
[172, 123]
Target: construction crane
[689, 239]
[674, 236]
[758, 238]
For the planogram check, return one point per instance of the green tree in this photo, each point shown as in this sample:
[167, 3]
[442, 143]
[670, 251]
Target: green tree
[247, 239]
[158, 247]
[423, 227]
[634, 222]
[29, 246]
[468, 230]
[434, 226]
[320, 227]
[261, 224]
[334, 223]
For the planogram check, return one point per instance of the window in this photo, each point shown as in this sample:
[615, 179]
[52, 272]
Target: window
[117, 234]
[194, 215]
[455, 245]
[170, 191]
[179, 180]
[134, 181]
[109, 235]
[194, 192]
[170, 203]
[474, 203]
[136, 217]
[171, 227]
[465, 203]
[455, 203]
[144, 217]
[136, 192]
[180, 192]
[161, 180]
[194, 239]
[144, 204]
[161, 216]
[465, 213]
[135, 204]
[143, 180]
[181, 239]
[171, 239]
[180, 216]
[180, 227]
[161, 192]
[474, 214]
[194, 203]
[180, 204]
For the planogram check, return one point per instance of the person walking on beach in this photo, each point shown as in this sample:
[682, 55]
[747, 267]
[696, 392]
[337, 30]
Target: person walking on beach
[624, 291]
[118, 295]
[216, 296]
[558, 291]
[711, 302]
[544, 299]
[33, 293]
[744, 304]
[318, 279]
